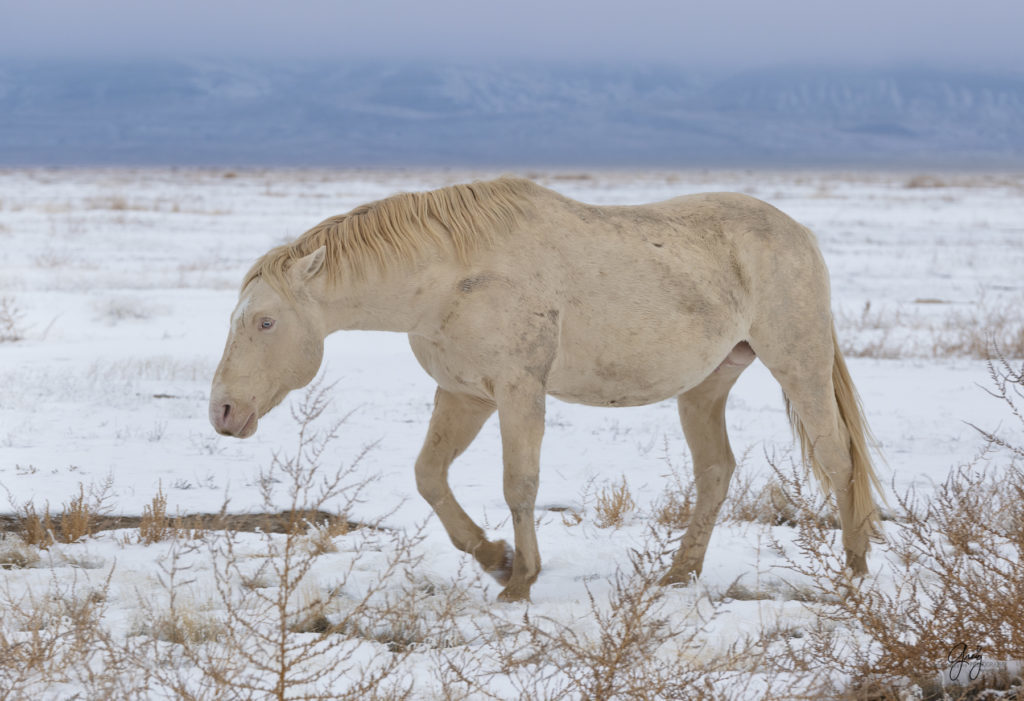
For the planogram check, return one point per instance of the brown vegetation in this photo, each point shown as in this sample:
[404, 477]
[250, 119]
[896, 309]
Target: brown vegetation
[11, 318]
[971, 331]
[614, 504]
[948, 587]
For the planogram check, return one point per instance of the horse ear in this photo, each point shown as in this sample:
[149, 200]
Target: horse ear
[308, 266]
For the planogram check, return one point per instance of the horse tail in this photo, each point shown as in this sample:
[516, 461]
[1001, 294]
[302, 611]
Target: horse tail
[864, 481]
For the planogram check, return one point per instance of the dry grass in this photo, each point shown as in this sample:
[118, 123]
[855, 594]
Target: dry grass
[41, 530]
[613, 505]
[155, 525]
[771, 502]
[77, 519]
[778, 501]
[16, 554]
[56, 638]
[115, 203]
[114, 310]
[53, 259]
[186, 624]
[957, 582]
[982, 332]
[924, 182]
[956, 562]
[292, 638]
[270, 627]
[971, 331]
[36, 529]
[675, 507]
[637, 641]
[872, 333]
[11, 318]
[571, 517]
[320, 537]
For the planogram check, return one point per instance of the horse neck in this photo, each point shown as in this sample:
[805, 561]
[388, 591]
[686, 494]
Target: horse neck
[401, 300]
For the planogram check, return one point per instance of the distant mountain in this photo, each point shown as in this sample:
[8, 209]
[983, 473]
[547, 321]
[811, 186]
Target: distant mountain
[250, 113]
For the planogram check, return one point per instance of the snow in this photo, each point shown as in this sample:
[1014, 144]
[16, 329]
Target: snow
[126, 280]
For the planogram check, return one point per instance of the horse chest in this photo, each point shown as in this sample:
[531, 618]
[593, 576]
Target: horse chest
[452, 367]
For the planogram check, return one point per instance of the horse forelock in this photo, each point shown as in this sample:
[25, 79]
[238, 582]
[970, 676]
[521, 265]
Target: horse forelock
[399, 230]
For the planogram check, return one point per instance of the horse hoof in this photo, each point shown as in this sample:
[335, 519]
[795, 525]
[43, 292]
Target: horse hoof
[514, 593]
[496, 559]
[856, 564]
[680, 577]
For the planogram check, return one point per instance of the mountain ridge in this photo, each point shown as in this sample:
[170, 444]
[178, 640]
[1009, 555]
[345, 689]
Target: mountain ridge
[365, 114]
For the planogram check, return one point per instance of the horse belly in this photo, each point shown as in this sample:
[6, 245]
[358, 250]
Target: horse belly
[635, 376]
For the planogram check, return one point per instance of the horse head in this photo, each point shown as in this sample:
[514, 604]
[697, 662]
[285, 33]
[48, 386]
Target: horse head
[275, 345]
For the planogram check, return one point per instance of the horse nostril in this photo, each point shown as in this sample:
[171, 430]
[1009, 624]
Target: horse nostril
[226, 413]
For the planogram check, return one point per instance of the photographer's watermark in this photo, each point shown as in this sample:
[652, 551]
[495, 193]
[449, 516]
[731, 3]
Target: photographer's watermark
[964, 665]
[967, 666]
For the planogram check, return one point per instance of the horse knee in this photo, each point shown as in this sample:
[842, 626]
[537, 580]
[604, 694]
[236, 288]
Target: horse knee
[713, 480]
[431, 485]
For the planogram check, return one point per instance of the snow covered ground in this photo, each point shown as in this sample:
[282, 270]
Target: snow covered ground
[123, 280]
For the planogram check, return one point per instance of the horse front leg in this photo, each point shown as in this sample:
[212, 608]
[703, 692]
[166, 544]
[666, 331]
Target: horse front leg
[702, 413]
[456, 421]
[521, 415]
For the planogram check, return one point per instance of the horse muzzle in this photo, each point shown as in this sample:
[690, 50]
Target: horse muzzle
[230, 419]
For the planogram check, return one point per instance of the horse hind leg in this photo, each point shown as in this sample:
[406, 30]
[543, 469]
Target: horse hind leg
[456, 421]
[702, 414]
[827, 418]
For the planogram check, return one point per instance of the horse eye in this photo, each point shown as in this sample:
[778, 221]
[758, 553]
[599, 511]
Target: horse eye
[266, 324]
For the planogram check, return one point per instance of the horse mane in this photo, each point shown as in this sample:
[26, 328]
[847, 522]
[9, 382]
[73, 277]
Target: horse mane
[401, 229]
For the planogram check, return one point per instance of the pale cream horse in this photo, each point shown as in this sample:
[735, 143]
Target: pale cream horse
[510, 292]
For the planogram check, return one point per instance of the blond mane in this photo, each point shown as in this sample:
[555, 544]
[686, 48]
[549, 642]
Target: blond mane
[399, 230]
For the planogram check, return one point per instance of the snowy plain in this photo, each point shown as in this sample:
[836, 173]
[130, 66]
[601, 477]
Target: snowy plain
[125, 279]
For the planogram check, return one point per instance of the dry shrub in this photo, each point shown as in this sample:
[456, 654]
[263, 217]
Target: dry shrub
[76, 518]
[16, 554]
[770, 504]
[961, 331]
[924, 182]
[56, 637]
[267, 628]
[41, 530]
[115, 203]
[11, 318]
[750, 499]
[957, 571]
[321, 536]
[870, 333]
[120, 308]
[53, 258]
[778, 501]
[674, 508]
[957, 581]
[635, 644]
[278, 633]
[36, 529]
[1008, 383]
[571, 517]
[614, 503]
[422, 615]
[985, 331]
[154, 525]
[185, 623]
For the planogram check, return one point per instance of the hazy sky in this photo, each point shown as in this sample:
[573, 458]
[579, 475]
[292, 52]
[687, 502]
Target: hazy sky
[709, 33]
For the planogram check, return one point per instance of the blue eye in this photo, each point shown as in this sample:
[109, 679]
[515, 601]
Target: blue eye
[266, 324]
